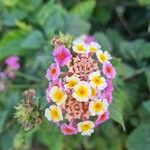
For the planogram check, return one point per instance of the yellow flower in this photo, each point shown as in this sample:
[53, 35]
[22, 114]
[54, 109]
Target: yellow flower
[93, 92]
[79, 46]
[86, 127]
[71, 81]
[82, 91]
[103, 56]
[97, 81]
[98, 107]
[53, 113]
[93, 47]
[57, 95]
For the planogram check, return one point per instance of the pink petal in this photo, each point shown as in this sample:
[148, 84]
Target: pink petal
[68, 129]
[13, 62]
[62, 55]
[55, 75]
[109, 70]
[102, 118]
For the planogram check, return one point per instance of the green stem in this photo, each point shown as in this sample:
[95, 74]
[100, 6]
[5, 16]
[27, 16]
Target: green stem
[22, 86]
[28, 77]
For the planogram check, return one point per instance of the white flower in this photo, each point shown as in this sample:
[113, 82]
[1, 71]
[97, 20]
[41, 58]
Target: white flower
[103, 56]
[57, 95]
[97, 81]
[82, 91]
[86, 128]
[53, 113]
[93, 47]
[71, 81]
[79, 46]
[98, 107]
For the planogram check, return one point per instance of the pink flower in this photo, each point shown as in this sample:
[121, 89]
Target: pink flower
[88, 39]
[107, 92]
[68, 129]
[62, 55]
[53, 72]
[109, 70]
[102, 118]
[13, 62]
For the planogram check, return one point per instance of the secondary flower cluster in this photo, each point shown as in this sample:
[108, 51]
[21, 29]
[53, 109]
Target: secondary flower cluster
[12, 65]
[80, 86]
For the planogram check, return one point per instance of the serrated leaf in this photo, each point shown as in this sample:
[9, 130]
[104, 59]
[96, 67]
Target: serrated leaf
[103, 40]
[116, 114]
[139, 139]
[84, 9]
[116, 108]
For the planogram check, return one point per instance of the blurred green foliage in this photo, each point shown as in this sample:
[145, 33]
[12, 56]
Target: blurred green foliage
[122, 27]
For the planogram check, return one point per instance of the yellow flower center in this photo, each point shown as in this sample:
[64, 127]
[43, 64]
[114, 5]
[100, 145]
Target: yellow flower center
[98, 107]
[54, 114]
[85, 127]
[71, 83]
[80, 48]
[103, 57]
[52, 71]
[58, 95]
[93, 49]
[97, 80]
[82, 91]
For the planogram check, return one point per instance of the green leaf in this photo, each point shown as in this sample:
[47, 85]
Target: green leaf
[126, 70]
[6, 140]
[138, 49]
[50, 136]
[146, 105]
[103, 15]
[84, 9]
[45, 12]
[10, 44]
[103, 40]
[115, 38]
[12, 16]
[10, 3]
[116, 108]
[144, 2]
[144, 52]
[75, 25]
[18, 42]
[34, 40]
[139, 139]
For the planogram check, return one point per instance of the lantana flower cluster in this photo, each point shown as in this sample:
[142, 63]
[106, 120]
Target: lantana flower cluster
[80, 86]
